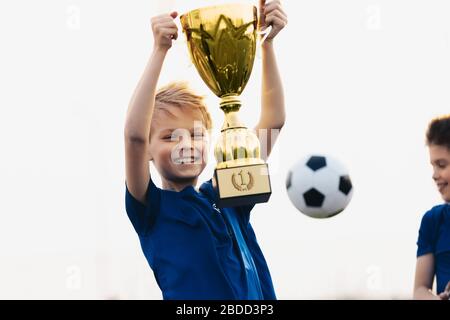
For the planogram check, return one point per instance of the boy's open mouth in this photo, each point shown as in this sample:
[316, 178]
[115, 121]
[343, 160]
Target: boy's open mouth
[187, 160]
[442, 186]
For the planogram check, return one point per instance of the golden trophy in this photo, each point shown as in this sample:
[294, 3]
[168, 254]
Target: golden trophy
[222, 43]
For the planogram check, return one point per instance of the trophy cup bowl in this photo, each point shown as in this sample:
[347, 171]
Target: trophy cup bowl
[222, 43]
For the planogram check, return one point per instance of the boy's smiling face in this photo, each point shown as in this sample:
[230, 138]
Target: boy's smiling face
[440, 160]
[179, 143]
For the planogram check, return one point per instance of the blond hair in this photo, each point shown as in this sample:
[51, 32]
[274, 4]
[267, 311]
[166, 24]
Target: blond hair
[179, 94]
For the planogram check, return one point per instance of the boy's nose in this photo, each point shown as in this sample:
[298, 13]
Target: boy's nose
[186, 142]
[435, 175]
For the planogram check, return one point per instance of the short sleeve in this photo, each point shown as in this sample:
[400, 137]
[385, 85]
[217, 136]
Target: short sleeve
[426, 241]
[142, 216]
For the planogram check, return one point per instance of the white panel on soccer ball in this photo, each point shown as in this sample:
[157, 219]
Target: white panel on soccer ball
[297, 200]
[335, 203]
[326, 181]
[302, 177]
[298, 182]
[314, 212]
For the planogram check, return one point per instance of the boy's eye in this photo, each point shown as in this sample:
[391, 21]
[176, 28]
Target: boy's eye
[441, 164]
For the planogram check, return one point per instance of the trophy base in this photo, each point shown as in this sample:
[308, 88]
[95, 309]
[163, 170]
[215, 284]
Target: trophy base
[243, 185]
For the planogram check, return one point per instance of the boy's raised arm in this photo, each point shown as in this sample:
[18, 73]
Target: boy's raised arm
[140, 109]
[272, 96]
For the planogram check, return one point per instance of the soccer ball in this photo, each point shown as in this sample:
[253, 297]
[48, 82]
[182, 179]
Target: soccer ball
[319, 186]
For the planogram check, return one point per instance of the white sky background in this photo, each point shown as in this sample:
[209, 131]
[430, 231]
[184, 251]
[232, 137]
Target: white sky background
[362, 80]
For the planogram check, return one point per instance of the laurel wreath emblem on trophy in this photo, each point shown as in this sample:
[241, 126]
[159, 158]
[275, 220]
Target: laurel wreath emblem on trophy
[243, 185]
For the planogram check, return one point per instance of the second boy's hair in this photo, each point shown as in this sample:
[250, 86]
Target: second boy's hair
[179, 94]
[438, 132]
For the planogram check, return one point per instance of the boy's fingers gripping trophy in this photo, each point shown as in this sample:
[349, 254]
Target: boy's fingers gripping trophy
[164, 30]
[272, 14]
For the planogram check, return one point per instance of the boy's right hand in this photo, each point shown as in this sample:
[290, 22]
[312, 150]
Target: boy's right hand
[164, 30]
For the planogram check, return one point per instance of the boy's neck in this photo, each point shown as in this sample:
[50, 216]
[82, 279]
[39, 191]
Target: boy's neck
[177, 186]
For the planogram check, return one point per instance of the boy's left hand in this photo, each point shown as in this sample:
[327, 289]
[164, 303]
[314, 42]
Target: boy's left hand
[446, 294]
[272, 13]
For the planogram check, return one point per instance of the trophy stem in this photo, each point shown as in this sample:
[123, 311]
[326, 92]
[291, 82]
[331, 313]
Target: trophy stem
[230, 105]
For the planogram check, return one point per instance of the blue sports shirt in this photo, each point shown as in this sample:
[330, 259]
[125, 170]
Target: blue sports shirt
[434, 237]
[197, 251]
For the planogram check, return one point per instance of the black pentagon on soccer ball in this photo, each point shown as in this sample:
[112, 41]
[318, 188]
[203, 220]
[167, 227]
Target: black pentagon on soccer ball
[289, 180]
[345, 184]
[313, 198]
[316, 162]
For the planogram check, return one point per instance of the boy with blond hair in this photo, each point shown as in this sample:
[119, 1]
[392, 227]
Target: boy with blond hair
[195, 250]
